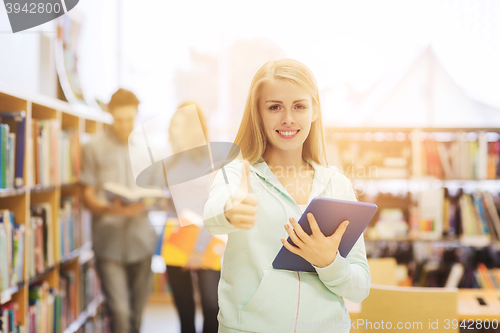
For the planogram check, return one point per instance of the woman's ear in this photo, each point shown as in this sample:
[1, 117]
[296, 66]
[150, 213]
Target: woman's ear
[315, 115]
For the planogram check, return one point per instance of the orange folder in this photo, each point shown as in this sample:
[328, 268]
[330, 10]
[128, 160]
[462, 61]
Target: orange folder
[178, 243]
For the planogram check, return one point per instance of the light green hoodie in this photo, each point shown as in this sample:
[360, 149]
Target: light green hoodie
[255, 297]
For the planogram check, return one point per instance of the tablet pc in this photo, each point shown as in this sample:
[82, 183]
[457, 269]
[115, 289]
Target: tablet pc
[329, 213]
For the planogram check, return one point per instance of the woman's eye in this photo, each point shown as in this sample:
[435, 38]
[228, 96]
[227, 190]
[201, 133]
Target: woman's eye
[274, 107]
[300, 106]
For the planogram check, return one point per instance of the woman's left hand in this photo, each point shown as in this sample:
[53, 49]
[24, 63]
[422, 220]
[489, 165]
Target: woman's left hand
[317, 249]
[194, 262]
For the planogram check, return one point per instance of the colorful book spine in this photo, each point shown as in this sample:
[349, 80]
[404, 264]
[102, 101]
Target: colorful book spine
[19, 119]
[10, 318]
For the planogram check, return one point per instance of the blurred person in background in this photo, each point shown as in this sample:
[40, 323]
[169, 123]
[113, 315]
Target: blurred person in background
[123, 240]
[182, 139]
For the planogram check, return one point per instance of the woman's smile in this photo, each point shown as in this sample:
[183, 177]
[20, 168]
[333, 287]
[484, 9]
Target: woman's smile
[288, 134]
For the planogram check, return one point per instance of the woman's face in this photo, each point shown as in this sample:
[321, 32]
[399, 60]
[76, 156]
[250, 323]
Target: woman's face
[287, 113]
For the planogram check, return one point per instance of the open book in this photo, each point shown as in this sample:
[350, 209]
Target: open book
[151, 198]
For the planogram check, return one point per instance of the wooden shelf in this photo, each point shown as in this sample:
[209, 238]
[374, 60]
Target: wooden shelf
[41, 276]
[83, 120]
[89, 312]
[409, 239]
[6, 295]
[12, 192]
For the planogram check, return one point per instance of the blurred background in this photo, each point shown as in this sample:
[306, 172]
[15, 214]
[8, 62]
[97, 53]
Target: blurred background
[360, 51]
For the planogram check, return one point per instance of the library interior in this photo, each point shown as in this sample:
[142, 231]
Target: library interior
[127, 204]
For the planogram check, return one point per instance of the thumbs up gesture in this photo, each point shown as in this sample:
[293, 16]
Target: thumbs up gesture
[243, 214]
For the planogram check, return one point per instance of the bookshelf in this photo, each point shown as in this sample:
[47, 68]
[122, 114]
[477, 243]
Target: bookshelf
[53, 252]
[437, 190]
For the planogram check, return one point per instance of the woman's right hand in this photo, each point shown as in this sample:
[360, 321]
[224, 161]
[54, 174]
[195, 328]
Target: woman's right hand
[243, 214]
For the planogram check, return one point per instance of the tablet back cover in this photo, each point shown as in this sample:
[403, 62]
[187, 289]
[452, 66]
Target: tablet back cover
[329, 213]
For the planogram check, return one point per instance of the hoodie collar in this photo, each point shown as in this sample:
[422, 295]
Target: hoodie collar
[322, 176]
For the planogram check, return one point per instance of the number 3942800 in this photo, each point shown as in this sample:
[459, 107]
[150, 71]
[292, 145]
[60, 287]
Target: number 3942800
[33, 8]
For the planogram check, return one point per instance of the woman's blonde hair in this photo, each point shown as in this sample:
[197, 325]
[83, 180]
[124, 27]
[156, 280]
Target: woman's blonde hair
[197, 154]
[251, 137]
[201, 116]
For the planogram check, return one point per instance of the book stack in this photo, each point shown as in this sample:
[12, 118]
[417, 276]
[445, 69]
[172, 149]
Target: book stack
[9, 318]
[12, 138]
[40, 239]
[86, 221]
[44, 311]
[474, 217]
[70, 224]
[12, 237]
[70, 156]
[487, 278]
[7, 156]
[467, 157]
[67, 290]
[90, 285]
[46, 135]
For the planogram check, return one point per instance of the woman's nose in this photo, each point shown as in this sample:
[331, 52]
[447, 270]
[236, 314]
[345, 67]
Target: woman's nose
[288, 119]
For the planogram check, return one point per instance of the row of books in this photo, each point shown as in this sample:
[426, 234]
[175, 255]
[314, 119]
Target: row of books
[7, 156]
[68, 291]
[12, 237]
[473, 217]
[56, 153]
[40, 239]
[487, 278]
[53, 310]
[44, 309]
[12, 147]
[90, 286]
[10, 318]
[45, 136]
[75, 232]
[457, 155]
[70, 156]
[74, 225]
[460, 159]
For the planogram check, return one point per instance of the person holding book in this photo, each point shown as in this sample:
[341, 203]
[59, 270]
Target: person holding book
[258, 205]
[122, 238]
[184, 134]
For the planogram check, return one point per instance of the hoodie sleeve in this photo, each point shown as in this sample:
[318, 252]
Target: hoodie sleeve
[213, 215]
[348, 277]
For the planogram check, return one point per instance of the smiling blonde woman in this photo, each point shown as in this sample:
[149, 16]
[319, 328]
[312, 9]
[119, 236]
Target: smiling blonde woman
[284, 167]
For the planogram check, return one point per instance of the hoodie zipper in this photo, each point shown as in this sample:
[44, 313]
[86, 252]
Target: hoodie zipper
[286, 212]
[298, 273]
[298, 304]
